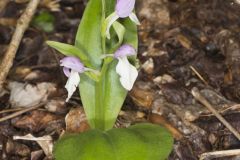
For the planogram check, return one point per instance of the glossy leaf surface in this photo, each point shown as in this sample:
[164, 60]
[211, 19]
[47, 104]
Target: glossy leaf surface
[138, 142]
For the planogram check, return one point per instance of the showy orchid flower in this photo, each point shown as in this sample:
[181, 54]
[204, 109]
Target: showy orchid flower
[72, 67]
[123, 9]
[127, 72]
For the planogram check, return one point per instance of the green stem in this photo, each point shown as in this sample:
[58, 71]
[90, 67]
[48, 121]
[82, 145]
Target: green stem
[99, 123]
[99, 90]
[100, 86]
[103, 19]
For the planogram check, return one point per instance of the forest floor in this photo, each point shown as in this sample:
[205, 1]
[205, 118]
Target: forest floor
[184, 46]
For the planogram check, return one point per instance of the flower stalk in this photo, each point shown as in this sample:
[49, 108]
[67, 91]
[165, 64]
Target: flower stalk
[100, 60]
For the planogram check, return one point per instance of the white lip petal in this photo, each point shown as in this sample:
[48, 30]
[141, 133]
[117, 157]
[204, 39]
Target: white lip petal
[72, 83]
[109, 22]
[134, 18]
[128, 73]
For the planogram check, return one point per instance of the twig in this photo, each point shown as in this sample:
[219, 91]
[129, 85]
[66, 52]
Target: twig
[20, 112]
[30, 137]
[197, 95]
[198, 75]
[10, 110]
[234, 107]
[218, 154]
[21, 27]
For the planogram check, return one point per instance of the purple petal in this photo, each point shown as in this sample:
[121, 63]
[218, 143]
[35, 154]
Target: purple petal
[124, 8]
[125, 50]
[72, 63]
[66, 71]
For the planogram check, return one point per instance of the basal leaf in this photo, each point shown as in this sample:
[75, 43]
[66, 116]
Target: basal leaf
[89, 38]
[115, 94]
[102, 96]
[102, 100]
[89, 32]
[138, 142]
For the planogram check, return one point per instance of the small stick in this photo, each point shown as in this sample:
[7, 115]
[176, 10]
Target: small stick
[198, 75]
[234, 107]
[21, 27]
[218, 154]
[10, 110]
[197, 95]
[30, 137]
[20, 112]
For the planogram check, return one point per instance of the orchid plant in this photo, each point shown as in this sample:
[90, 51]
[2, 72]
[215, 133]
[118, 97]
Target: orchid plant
[102, 64]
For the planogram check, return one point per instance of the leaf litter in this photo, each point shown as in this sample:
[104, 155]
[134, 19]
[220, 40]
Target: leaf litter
[183, 44]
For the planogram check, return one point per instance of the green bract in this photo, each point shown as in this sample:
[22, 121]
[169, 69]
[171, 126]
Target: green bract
[138, 142]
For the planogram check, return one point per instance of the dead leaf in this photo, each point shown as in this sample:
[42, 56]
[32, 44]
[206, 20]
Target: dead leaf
[36, 155]
[35, 121]
[45, 142]
[76, 121]
[185, 42]
[16, 148]
[148, 66]
[164, 79]
[155, 11]
[142, 97]
[25, 95]
[57, 106]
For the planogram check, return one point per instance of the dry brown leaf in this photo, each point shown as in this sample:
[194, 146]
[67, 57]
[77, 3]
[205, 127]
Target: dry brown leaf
[57, 106]
[45, 142]
[76, 121]
[16, 148]
[142, 97]
[35, 121]
[25, 95]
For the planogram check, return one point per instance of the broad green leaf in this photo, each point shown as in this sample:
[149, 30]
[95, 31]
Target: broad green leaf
[103, 96]
[138, 142]
[102, 100]
[87, 93]
[76, 147]
[115, 94]
[89, 38]
[70, 50]
[89, 32]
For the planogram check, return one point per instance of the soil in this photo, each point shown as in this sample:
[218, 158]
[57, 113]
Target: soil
[183, 44]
